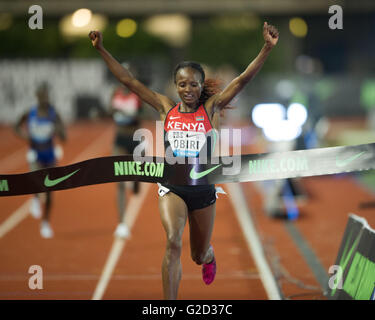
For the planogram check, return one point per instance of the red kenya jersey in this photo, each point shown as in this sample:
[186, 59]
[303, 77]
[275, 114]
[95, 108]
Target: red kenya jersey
[127, 106]
[186, 132]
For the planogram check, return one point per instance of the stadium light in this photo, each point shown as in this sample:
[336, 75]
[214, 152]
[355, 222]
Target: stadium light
[175, 29]
[125, 28]
[81, 17]
[277, 123]
[268, 114]
[79, 24]
[297, 114]
[298, 27]
[284, 131]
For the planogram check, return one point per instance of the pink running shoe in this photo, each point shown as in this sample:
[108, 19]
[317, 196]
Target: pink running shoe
[209, 271]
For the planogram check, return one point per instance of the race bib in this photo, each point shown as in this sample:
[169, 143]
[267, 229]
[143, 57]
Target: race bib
[186, 143]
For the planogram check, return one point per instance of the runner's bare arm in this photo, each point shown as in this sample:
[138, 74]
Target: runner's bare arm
[160, 102]
[60, 128]
[271, 36]
[18, 127]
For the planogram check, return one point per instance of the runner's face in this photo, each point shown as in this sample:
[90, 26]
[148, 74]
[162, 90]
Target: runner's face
[189, 86]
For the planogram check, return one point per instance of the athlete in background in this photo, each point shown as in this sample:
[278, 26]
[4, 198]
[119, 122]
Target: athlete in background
[39, 126]
[201, 102]
[125, 108]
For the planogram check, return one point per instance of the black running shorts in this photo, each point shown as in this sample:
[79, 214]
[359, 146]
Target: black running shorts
[195, 197]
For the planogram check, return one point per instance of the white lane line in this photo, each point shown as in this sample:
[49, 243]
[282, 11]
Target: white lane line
[23, 211]
[15, 218]
[253, 241]
[132, 210]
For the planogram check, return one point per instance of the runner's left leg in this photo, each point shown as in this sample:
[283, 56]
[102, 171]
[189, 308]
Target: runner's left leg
[201, 223]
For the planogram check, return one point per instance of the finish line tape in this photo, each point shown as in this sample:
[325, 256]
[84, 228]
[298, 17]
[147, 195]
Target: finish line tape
[241, 168]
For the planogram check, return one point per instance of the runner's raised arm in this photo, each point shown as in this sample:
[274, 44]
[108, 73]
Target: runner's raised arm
[160, 102]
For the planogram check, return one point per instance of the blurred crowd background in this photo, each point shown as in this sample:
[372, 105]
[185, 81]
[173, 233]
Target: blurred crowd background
[330, 72]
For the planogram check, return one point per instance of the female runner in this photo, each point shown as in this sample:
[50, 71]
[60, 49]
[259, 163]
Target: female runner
[201, 102]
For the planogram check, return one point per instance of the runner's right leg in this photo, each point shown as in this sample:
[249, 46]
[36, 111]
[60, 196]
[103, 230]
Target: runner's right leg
[122, 230]
[121, 200]
[173, 213]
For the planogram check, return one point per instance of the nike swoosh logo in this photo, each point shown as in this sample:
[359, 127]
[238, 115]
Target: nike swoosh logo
[197, 175]
[192, 135]
[172, 118]
[50, 183]
[345, 162]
